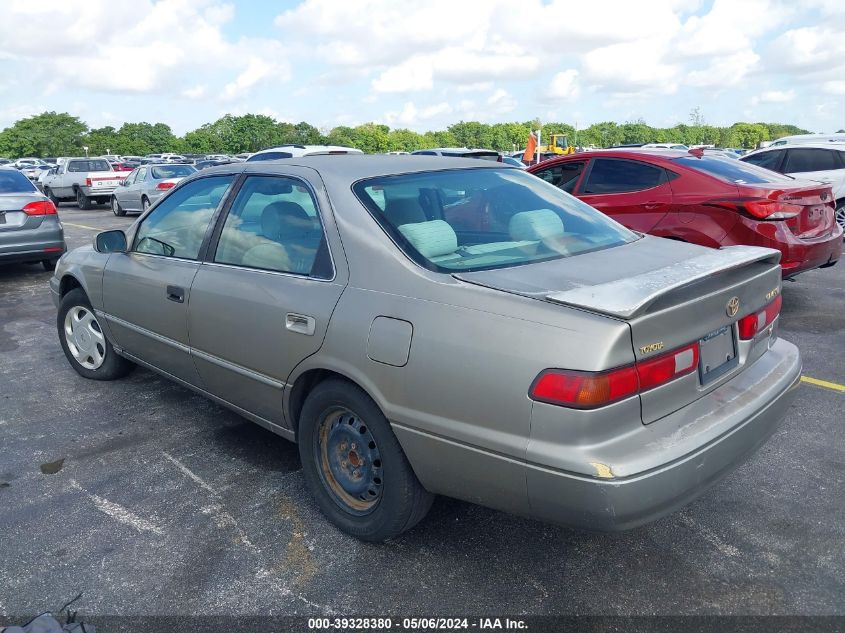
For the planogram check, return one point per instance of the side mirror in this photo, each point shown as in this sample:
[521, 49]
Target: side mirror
[110, 242]
[123, 183]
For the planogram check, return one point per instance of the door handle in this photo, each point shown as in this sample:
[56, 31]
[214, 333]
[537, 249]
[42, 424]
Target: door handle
[175, 293]
[300, 323]
[650, 205]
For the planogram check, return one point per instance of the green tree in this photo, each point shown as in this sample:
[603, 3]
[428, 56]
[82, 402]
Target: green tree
[46, 134]
[101, 140]
[341, 135]
[404, 141]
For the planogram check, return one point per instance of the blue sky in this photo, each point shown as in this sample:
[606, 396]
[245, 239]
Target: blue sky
[425, 64]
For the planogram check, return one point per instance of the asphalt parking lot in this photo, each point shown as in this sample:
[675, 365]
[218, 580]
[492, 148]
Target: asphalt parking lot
[149, 499]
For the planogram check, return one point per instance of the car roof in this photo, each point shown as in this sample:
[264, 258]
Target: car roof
[354, 167]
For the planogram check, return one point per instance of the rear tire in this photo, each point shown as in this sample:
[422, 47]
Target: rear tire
[84, 343]
[145, 204]
[49, 264]
[354, 466]
[840, 213]
[116, 208]
[82, 201]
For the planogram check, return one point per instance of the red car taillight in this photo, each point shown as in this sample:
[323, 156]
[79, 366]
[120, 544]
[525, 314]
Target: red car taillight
[761, 208]
[588, 390]
[87, 182]
[750, 325]
[165, 185]
[42, 207]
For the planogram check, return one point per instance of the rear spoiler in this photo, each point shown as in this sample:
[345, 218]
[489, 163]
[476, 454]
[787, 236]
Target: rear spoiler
[626, 298]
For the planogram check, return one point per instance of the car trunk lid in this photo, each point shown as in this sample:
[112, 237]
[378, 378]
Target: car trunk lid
[807, 207]
[12, 217]
[671, 295]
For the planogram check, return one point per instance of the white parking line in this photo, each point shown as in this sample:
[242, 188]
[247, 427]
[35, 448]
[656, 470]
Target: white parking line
[119, 513]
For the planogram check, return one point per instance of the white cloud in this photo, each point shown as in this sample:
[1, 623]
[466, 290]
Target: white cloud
[725, 71]
[564, 86]
[774, 96]
[501, 102]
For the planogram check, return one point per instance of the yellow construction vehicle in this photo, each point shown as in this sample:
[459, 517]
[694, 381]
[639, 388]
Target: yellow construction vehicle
[558, 144]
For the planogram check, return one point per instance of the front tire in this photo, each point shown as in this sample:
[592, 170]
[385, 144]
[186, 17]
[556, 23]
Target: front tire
[49, 193]
[354, 466]
[145, 205]
[83, 341]
[116, 208]
[82, 201]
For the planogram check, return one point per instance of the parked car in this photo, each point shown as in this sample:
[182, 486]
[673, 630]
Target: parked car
[144, 186]
[460, 152]
[291, 151]
[244, 156]
[553, 363]
[205, 164]
[707, 200]
[5, 161]
[680, 146]
[30, 230]
[513, 162]
[33, 172]
[812, 139]
[87, 180]
[822, 162]
[22, 163]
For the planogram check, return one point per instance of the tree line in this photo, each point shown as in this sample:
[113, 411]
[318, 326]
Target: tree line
[60, 134]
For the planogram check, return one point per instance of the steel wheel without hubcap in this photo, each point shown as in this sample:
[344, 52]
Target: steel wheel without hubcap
[349, 462]
[84, 337]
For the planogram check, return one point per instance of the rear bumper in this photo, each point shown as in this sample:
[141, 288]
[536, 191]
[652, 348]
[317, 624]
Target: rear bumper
[45, 242]
[732, 422]
[797, 255]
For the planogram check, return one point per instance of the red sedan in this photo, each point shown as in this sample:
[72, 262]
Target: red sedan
[707, 200]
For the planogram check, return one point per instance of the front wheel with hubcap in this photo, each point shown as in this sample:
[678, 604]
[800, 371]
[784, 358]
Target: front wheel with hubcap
[116, 208]
[49, 193]
[83, 341]
[354, 465]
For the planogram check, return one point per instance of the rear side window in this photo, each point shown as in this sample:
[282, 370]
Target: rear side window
[563, 176]
[76, 166]
[733, 171]
[620, 176]
[269, 156]
[808, 159]
[767, 160]
[274, 225]
[14, 182]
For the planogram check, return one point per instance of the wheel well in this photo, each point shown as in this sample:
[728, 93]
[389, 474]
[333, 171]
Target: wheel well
[67, 284]
[303, 386]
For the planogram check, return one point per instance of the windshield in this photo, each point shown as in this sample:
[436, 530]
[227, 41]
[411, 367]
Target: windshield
[172, 171]
[479, 219]
[99, 164]
[14, 182]
[733, 171]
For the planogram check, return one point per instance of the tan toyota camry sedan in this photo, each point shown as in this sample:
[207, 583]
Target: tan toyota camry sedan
[427, 325]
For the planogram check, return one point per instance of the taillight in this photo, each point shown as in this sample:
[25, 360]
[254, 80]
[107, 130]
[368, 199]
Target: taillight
[42, 207]
[763, 208]
[165, 185]
[588, 390]
[661, 369]
[750, 325]
[87, 182]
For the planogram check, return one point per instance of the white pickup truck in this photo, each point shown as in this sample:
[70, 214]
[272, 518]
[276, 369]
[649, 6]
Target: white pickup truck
[86, 180]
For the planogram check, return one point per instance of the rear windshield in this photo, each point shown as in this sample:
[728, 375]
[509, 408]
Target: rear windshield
[734, 171]
[269, 156]
[75, 166]
[14, 182]
[481, 155]
[479, 219]
[172, 171]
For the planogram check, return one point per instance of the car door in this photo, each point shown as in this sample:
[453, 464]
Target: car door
[121, 191]
[261, 301]
[147, 289]
[134, 191]
[59, 185]
[809, 163]
[632, 192]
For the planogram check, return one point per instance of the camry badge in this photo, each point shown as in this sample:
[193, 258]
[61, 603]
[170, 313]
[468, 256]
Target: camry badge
[733, 307]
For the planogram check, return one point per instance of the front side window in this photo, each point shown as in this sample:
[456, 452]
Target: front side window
[480, 219]
[767, 160]
[142, 174]
[274, 225]
[808, 159]
[621, 176]
[563, 175]
[131, 177]
[177, 226]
